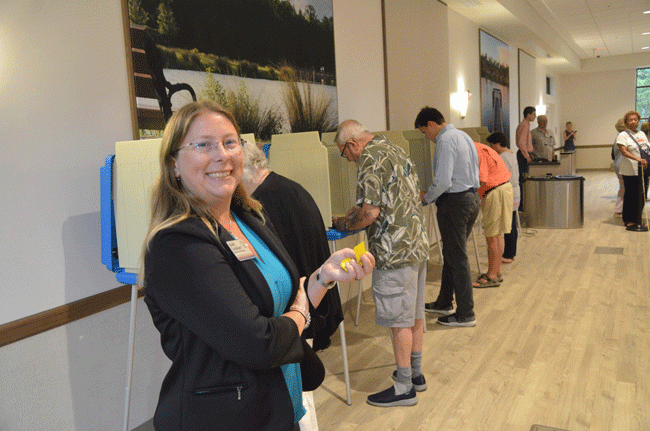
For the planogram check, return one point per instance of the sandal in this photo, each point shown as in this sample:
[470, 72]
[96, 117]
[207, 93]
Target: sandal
[484, 281]
[507, 260]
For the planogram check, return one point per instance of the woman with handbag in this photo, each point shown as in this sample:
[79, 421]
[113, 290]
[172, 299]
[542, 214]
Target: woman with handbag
[221, 288]
[634, 148]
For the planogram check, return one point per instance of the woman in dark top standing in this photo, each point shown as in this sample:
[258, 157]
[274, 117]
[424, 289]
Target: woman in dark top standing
[569, 136]
[299, 225]
[222, 290]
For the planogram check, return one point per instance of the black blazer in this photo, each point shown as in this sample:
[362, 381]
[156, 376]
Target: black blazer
[214, 314]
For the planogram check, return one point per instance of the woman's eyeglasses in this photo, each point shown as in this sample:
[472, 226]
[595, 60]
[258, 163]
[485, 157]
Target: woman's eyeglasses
[207, 146]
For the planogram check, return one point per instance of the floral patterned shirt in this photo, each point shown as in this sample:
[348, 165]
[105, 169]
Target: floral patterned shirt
[387, 179]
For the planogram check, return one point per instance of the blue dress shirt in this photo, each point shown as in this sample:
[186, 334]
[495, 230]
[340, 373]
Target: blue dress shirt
[455, 164]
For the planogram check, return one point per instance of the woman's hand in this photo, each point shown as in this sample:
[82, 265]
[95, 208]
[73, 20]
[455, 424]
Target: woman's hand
[331, 270]
[299, 314]
[301, 296]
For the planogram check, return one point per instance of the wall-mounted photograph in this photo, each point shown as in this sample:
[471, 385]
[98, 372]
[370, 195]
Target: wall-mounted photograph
[495, 83]
[271, 62]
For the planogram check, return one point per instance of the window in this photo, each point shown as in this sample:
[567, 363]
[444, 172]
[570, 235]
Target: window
[643, 93]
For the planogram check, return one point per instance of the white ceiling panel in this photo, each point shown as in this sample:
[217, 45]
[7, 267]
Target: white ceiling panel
[583, 25]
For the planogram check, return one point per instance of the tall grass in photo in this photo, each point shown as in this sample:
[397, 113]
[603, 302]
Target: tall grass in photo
[307, 110]
[248, 112]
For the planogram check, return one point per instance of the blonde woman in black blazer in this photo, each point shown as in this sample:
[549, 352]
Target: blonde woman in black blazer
[222, 290]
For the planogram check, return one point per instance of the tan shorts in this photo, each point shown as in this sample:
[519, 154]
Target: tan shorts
[497, 210]
[399, 295]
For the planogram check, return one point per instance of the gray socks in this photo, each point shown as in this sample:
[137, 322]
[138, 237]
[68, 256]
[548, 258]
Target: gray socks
[403, 384]
[416, 364]
[405, 375]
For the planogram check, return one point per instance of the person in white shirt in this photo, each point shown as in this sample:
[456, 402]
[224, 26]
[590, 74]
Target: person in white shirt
[630, 142]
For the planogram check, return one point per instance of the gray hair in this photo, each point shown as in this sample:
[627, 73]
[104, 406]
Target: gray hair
[254, 161]
[349, 129]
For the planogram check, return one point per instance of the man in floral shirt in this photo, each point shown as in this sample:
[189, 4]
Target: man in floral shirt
[389, 208]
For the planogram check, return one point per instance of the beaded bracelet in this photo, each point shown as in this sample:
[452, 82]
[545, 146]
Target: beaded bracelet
[304, 313]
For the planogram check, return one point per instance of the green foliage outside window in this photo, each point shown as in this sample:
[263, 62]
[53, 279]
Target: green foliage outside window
[643, 93]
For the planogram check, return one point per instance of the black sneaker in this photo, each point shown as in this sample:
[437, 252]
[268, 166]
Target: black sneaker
[419, 383]
[454, 320]
[432, 307]
[387, 398]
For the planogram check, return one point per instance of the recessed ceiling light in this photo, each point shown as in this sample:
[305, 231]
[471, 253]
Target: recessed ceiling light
[646, 33]
[646, 47]
[648, 11]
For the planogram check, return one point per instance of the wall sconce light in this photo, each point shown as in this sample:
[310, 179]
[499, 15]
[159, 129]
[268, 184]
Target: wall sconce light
[460, 102]
[540, 110]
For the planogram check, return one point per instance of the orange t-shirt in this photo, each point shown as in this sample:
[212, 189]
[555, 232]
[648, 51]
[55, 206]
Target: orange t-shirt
[492, 170]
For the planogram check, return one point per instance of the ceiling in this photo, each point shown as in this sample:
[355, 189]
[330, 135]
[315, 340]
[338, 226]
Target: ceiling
[563, 32]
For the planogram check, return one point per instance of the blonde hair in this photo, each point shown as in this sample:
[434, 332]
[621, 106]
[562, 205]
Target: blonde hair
[620, 125]
[171, 202]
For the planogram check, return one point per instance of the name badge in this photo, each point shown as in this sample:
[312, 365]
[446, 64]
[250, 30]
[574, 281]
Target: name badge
[240, 249]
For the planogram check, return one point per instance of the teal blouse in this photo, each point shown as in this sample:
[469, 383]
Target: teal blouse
[279, 282]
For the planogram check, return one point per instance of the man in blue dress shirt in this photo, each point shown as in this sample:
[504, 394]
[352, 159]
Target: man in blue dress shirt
[455, 182]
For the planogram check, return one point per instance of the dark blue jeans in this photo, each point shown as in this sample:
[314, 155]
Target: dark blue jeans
[522, 164]
[456, 215]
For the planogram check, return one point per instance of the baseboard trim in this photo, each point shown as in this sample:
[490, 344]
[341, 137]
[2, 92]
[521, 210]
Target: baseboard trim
[59, 316]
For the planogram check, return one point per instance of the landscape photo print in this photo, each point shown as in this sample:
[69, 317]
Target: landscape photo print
[271, 62]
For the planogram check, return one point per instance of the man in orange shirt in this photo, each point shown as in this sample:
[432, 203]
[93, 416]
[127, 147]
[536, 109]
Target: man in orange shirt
[496, 204]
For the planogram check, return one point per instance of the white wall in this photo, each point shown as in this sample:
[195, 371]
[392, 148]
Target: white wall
[464, 67]
[358, 39]
[63, 107]
[418, 59]
[593, 102]
[74, 377]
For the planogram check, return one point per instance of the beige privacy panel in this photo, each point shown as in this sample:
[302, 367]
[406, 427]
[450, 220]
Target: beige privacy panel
[249, 137]
[397, 138]
[135, 171]
[418, 148]
[478, 134]
[471, 131]
[421, 156]
[343, 177]
[483, 133]
[302, 158]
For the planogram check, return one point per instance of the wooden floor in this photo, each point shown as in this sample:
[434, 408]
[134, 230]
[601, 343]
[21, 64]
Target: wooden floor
[563, 342]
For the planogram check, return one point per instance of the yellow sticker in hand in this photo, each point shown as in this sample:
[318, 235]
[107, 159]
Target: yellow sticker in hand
[359, 250]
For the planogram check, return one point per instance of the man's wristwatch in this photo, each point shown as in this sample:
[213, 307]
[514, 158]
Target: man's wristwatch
[320, 281]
